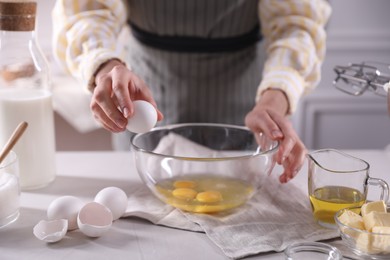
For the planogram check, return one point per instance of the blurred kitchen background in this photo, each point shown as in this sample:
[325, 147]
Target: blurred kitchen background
[327, 118]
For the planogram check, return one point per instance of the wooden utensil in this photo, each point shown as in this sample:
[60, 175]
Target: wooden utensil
[13, 140]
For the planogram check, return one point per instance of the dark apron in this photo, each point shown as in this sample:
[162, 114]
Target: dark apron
[202, 59]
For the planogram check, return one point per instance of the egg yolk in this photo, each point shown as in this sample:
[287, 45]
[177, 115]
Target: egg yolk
[184, 193]
[209, 196]
[184, 184]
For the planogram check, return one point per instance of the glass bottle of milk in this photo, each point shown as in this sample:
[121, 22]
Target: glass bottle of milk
[25, 94]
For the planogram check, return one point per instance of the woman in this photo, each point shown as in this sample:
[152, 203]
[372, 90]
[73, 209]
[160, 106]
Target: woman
[197, 61]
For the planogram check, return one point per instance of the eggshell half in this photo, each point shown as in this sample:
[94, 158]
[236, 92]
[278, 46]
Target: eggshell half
[51, 231]
[94, 219]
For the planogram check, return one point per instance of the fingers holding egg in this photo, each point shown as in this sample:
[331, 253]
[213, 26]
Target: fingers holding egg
[144, 117]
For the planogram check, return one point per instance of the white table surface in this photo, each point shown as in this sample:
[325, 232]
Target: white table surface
[83, 174]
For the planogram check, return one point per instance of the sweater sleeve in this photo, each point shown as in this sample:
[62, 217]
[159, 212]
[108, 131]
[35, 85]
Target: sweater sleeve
[294, 33]
[85, 34]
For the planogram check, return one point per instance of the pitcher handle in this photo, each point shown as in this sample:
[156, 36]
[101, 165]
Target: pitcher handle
[384, 186]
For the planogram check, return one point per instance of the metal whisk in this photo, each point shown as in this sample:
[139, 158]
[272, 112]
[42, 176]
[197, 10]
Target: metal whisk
[355, 79]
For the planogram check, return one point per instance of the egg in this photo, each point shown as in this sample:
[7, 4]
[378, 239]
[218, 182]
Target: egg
[113, 198]
[65, 207]
[184, 184]
[184, 193]
[144, 117]
[209, 196]
[94, 219]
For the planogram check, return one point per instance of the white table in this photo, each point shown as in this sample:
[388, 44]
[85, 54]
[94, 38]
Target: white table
[83, 174]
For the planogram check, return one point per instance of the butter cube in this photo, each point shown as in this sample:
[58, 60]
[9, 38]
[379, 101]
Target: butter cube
[374, 219]
[381, 242]
[377, 206]
[364, 243]
[351, 219]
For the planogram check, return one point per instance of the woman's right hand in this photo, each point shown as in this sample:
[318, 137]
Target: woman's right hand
[116, 88]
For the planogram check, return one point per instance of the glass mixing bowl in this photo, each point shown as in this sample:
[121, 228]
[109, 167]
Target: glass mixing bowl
[203, 167]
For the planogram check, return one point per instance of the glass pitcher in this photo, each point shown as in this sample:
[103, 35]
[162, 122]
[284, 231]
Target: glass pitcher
[338, 180]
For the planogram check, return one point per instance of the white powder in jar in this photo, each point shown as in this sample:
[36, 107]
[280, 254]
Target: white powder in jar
[9, 195]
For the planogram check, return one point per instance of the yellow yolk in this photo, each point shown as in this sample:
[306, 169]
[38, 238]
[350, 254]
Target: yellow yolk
[184, 184]
[209, 196]
[215, 193]
[184, 193]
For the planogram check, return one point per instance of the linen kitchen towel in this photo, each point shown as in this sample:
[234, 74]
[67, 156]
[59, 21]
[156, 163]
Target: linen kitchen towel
[277, 215]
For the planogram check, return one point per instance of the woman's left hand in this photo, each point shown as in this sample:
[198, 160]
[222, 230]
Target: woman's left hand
[269, 117]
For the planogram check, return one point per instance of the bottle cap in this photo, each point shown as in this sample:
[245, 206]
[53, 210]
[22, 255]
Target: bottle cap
[17, 15]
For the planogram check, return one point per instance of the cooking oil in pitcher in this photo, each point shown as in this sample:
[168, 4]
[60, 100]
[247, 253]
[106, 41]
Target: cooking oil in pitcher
[326, 201]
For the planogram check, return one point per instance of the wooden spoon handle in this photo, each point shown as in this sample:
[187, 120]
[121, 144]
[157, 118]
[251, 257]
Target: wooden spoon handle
[13, 139]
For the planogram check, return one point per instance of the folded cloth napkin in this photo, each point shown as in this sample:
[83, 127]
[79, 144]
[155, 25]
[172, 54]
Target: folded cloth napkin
[277, 215]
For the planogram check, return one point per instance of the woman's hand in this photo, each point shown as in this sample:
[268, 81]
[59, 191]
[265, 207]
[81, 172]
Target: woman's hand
[269, 117]
[116, 88]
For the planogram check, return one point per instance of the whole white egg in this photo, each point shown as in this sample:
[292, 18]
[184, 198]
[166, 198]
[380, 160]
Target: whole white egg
[113, 198]
[65, 207]
[144, 117]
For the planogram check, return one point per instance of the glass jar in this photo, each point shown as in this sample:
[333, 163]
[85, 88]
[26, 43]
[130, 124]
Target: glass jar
[312, 251]
[25, 94]
[9, 189]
